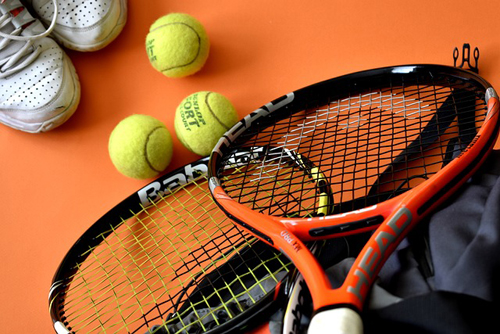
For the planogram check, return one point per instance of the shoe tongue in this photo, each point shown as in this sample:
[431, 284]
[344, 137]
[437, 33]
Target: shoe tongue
[22, 18]
[9, 5]
[32, 27]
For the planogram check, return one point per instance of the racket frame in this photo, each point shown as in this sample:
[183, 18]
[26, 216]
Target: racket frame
[144, 197]
[397, 215]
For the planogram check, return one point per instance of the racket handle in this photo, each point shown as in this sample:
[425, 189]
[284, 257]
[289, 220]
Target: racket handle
[338, 321]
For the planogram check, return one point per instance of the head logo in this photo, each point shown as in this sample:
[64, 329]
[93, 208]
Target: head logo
[384, 239]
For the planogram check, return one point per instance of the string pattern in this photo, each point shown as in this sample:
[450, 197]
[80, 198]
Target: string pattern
[177, 266]
[369, 145]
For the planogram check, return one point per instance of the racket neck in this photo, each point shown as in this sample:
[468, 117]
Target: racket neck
[283, 240]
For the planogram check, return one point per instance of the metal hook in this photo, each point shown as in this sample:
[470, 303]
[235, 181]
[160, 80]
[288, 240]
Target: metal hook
[466, 58]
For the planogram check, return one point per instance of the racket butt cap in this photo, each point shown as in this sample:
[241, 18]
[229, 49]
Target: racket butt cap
[338, 321]
[60, 328]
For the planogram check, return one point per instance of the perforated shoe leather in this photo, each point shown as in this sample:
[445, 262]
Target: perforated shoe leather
[39, 87]
[83, 25]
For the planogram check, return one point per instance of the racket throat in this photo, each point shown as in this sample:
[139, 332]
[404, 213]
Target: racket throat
[382, 243]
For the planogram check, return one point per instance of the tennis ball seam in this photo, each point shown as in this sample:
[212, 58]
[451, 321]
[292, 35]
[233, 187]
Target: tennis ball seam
[197, 52]
[213, 113]
[150, 165]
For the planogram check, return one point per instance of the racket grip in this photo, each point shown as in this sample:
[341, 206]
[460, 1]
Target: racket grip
[336, 321]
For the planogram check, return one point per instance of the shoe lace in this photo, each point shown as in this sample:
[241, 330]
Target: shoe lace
[27, 53]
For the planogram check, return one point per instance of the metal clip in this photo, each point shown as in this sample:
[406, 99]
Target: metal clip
[466, 58]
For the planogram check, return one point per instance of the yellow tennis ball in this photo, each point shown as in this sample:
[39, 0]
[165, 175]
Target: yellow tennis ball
[140, 147]
[177, 45]
[201, 119]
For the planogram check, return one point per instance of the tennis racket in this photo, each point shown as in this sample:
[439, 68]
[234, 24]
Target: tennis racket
[387, 145]
[167, 260]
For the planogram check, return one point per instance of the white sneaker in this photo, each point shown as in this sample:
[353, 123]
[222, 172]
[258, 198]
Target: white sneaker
[83, 25]
[39, 87]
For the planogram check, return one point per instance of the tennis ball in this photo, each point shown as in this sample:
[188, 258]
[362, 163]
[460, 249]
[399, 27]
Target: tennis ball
[201, 119]
[140, 147]
[177, 45]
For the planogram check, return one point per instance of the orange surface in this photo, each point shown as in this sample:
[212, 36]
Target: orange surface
[55, 185]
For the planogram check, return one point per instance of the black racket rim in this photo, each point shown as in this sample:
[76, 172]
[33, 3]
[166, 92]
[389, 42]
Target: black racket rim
[62, 279]
[319, 93]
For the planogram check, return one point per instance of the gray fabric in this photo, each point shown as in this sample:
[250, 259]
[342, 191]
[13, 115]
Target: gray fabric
[464, 239]
[401, 275]
[380, 298]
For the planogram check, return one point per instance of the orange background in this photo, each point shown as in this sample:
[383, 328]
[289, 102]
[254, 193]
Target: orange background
[55, 185]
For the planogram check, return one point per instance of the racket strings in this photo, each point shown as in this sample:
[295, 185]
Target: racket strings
[179, 263]
[370, 146]
[288, 196]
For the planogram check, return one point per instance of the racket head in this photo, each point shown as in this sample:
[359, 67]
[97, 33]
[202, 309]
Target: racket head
[281, 126]
[167, 260]
[392, 143]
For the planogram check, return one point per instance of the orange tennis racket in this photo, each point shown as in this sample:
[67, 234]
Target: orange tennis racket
[371, 151]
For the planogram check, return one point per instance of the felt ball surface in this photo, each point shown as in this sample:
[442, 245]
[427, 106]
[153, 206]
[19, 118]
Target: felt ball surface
[140, 147]
[201, 119]
[177, 45]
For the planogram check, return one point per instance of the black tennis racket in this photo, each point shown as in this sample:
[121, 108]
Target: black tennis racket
[167, 260]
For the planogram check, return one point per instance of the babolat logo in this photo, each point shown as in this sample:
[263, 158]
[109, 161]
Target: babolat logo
[299, 309]
[242, 125]
[288, 238]
[367, 266]
[242, 158]
[154, 190]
